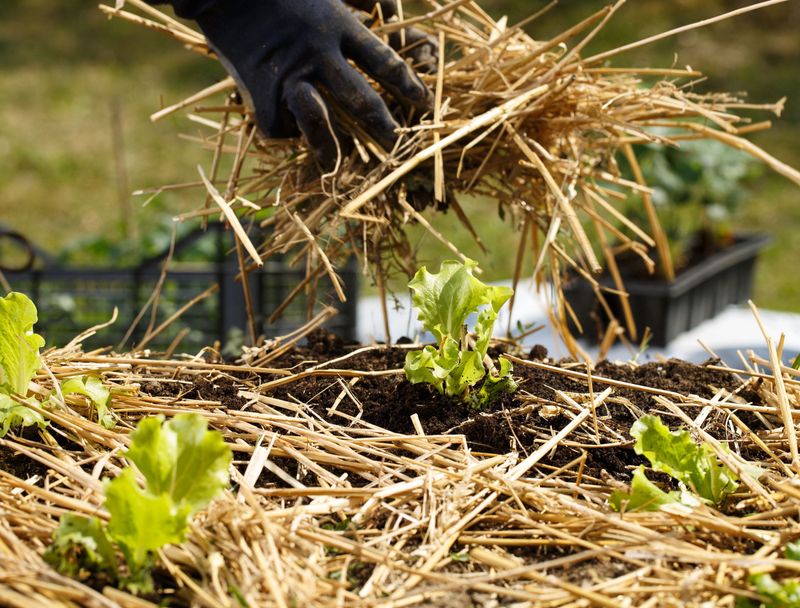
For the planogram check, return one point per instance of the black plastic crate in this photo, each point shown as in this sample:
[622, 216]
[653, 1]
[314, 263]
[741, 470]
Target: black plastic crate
[670, 308]
[71, 300]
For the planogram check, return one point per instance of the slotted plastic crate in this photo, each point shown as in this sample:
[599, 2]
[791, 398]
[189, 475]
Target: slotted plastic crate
[71, 300]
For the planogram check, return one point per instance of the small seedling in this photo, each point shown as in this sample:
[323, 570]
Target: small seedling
[775, 594]
[19, 361]
[695, 467]
[460, 360]
[184, 465]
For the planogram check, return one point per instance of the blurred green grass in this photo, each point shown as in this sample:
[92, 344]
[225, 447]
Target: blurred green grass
[65, 65]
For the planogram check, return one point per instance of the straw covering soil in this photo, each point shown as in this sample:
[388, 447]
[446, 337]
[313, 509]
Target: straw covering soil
[353, 488]
[532, 126]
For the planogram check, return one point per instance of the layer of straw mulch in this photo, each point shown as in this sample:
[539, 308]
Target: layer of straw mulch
[531, 125]
[329, 510]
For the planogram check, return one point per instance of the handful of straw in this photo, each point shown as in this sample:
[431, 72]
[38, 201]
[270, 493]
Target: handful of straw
[528, 124]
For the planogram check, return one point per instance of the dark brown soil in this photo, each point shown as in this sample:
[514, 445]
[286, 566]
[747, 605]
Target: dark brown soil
[514, 422]
[19, 465]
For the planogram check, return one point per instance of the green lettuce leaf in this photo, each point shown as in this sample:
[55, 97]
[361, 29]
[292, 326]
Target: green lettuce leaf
[467, 373]
[792, 551]
[13, 414]
[428, 365]
[142, 522]
[644, 495]
[775, 594]
[181, 459]
[444, 300]
[495, 385]
[448, 369]
[93, 388]
[495, 296]
[80, 544]
[19, 346]
[675, 453]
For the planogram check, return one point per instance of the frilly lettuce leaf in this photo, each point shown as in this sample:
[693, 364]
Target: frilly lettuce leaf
[444, 300]
[19, 346]
[142, 522]
[495, 296]
[496, 384]
[181, 458]
[774, 593]
[448, 369]
[93, 388]
[426, 365]
[675, 453]
[81, 544]
[792, 551]
[644, 495]
[777, 595]
[14, 414]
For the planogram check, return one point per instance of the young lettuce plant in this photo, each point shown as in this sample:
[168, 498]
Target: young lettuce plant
[444, 301]
[99, 396]
[695, 467]
[775, 594]
[19, 361]
[184, 466]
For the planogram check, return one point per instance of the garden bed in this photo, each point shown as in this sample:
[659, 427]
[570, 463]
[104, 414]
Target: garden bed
[352, 487]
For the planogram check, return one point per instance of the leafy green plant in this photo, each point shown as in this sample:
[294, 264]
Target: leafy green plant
[698, 187]
[444, 301]
[19, 361]
[98, 394]
[675, 453]
[184, 465]
[775, 594]
[644, 495]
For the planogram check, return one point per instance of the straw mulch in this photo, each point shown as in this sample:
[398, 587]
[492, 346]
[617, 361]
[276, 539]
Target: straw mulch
[332, 511]
[531, 125]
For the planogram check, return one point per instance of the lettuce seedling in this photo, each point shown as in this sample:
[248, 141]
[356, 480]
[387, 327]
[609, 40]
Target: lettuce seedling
[775, 594]
[444, 301]
[675, 453]
[644, 495]
[184, 466]
[98, 394]
[19, 360]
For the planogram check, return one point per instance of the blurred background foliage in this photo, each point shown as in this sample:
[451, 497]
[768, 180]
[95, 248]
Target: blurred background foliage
[76, 91]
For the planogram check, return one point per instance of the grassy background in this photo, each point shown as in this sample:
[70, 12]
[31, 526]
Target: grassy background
[65, 67]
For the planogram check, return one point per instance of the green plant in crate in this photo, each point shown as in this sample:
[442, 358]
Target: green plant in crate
[460, 360]
[697, 189]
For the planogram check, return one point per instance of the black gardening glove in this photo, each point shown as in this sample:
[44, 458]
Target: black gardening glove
[289, 56]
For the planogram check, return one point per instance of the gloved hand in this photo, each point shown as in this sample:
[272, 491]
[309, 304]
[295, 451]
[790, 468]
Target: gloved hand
[289, 56]
[411, 42]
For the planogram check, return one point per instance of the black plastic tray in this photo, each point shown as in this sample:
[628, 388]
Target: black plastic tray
[670, 308]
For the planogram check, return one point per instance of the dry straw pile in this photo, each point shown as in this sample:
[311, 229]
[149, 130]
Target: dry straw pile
[529, 124]
[329, 511]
